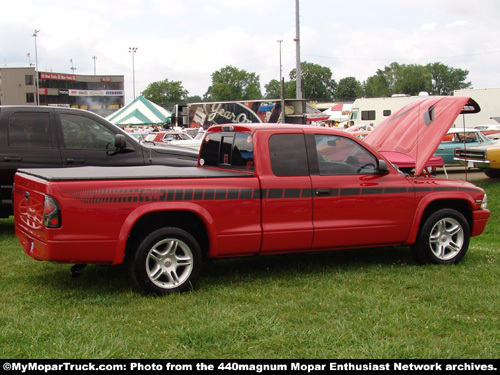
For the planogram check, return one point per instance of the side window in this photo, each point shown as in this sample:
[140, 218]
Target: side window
[367, 115]
[228, 150]
[30, 129]
[288, 155]
[340, 155]
[80, 132]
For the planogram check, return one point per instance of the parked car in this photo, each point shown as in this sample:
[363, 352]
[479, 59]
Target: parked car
[489, 130]
[486, 158]
[456, 138]
[177, 138]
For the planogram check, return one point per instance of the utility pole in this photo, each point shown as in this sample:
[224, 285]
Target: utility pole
[297, 41]
[37, 83]
[282, 93]
[94, 58]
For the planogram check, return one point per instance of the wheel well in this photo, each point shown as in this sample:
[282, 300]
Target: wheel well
[458, 205]
[187, 221]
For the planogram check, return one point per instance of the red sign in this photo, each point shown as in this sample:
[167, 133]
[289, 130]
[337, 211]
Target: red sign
[58, 76]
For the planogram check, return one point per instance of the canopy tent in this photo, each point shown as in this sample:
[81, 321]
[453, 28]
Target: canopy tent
[339, 112]
[140, 112]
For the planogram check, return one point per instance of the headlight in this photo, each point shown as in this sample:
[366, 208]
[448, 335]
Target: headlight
[484, 203]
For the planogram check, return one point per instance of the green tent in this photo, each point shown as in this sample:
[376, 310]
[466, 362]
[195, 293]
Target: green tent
[140, 112]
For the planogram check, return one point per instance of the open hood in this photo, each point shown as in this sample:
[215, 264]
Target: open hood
[417, 129]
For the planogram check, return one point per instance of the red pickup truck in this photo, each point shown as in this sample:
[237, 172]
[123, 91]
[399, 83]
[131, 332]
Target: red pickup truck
[257, 189]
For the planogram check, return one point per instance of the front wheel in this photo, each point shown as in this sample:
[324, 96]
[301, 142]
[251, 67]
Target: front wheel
[492, 173]
[443, 239]
[167, 260]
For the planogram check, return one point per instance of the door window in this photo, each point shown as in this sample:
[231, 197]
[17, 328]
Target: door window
[340, 155]
[80, 132]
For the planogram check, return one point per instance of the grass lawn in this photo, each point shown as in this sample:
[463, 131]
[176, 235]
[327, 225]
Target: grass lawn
[371, 303]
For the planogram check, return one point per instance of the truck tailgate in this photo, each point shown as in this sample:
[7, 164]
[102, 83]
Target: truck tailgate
[28, 197]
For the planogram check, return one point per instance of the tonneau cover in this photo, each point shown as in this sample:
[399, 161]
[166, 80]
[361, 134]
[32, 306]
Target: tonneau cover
[127, 173]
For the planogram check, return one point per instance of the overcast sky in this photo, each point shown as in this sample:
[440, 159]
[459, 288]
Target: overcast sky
[188, 40]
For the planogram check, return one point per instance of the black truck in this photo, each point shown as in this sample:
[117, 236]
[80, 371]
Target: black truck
[54, 137]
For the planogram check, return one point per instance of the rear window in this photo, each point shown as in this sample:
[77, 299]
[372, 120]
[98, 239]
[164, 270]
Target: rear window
[232, 150]
[288, 155]
[30, 129]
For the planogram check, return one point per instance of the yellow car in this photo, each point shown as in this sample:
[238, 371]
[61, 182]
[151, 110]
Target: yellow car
[486, 158]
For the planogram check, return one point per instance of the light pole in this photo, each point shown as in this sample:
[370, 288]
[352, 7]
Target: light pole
[297, 40]
[94, 58]
[282, 94]
[37, 84]
[133, 50]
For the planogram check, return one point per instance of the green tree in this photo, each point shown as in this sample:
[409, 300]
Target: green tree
[377, 86]
[273, 89]
[230, 83]
[445, 79]
[166, 93]
[349, 88]
[317, 81]
[412, 79]
[436, 78]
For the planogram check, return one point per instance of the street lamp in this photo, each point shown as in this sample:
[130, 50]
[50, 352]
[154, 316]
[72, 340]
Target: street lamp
[133, 50]
[37, 84]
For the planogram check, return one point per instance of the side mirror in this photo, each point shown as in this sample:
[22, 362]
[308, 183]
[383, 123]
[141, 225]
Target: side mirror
[120, 142]
[383, 168]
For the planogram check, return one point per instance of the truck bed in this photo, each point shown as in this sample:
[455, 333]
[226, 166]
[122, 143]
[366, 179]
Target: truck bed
[126, 173]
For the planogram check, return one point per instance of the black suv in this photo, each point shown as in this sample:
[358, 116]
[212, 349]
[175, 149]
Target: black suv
[53, 137]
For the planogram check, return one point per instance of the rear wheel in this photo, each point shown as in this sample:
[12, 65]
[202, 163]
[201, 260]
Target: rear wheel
[443, 239]
[167, 260]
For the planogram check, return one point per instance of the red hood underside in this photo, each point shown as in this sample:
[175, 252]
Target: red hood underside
[417, 129]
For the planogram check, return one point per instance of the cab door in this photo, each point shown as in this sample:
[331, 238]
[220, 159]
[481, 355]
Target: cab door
[355, 204]
[287, 222]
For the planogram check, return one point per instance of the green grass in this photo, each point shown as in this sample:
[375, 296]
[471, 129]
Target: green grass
[372, 303]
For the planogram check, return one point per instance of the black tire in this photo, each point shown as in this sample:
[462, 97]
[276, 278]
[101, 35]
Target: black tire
[168, 260]
[443, 238]
[492, 173]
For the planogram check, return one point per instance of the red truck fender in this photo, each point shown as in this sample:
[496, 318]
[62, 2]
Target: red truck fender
[156, 207]
[436, 198]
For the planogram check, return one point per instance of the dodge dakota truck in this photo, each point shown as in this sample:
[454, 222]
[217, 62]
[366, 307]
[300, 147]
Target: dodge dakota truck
[52, 137]
[257, 189]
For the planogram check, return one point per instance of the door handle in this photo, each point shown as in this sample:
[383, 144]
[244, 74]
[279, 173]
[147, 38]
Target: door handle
[9, 158]
[322, 192]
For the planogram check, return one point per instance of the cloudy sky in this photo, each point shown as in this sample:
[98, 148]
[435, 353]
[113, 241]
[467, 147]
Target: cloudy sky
[188, 40]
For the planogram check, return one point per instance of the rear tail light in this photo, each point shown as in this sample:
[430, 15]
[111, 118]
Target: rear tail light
[51, 213]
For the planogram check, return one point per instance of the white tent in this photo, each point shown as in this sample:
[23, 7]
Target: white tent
[339, 112]
[140, 112]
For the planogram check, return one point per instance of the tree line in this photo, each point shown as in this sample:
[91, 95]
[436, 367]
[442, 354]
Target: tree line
[318, 84]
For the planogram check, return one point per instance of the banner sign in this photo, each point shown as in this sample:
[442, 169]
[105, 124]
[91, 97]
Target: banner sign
[73, 92]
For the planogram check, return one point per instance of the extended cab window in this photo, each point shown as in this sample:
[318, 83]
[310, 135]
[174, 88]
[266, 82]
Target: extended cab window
[340, 155]
[288, 155]
[30, 130]
[228, 150]
[80, 132]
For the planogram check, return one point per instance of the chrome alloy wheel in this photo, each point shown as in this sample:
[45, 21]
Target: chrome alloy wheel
[446, 239]
[169, 263]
